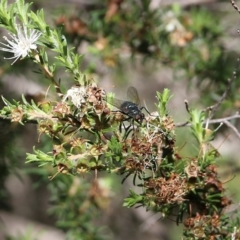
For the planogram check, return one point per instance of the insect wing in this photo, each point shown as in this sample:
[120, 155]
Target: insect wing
[115, 102]
[132, 95]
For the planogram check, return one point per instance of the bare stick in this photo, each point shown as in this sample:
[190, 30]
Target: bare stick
[233, 128]
[9, 119]
[49, 75]
[226, 92]
[235, 6]
[187, 105]
[218, 120]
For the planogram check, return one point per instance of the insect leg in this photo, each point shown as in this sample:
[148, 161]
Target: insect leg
[129, 129]
[126, 177]
[120, 126]
[141, 108]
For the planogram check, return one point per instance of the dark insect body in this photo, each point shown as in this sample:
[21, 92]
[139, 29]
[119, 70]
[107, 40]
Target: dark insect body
[131, 106]
[132, 111]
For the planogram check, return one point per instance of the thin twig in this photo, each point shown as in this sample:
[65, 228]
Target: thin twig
[233, 128]
[226, 92]
[235, 5]
[234, 233]
[187, 105]
[184, 124]
[218, 120]
[49, 75]
[188, 110]
[9, 119]
[212, 109]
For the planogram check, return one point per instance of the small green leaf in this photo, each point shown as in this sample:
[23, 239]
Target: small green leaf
[133, 199]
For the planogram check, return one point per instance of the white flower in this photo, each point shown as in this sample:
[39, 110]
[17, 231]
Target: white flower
[22, 43]
[78, 96]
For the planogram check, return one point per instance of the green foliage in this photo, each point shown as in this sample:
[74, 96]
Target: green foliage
[75, 204]
[7, 15]
[86, 136]
[39, 157]
[133, 199]
[163, 99]
[29, 235]
[197, 126]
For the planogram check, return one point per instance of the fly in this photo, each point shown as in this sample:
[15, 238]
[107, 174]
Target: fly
[131, 106]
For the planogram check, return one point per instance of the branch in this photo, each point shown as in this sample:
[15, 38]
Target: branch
[233, 128]
[235, 6]
[214, 108]
[9, 119]
[218, 120]
[49, 75]
[183, 124]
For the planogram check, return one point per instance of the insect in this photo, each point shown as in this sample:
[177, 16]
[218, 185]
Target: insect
[130, 107]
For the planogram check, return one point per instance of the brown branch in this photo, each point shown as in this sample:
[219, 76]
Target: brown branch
[9, 119]
[187, 105]
[218, 120]
[183, 124]
[212, 109]
[235, 5]
[233, 128]
[49, 75]
[226, 92]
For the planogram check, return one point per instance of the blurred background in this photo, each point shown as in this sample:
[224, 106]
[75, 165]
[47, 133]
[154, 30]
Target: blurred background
[188, 46]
